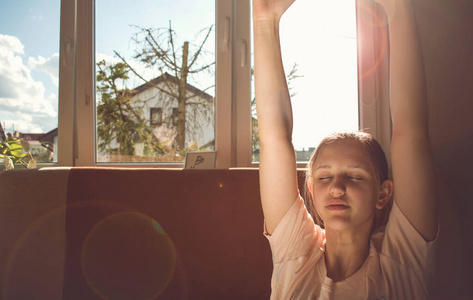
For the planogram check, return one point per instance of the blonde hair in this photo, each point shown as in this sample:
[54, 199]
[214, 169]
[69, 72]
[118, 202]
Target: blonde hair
[378, 160]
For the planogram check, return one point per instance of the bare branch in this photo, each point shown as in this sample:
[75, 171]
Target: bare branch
[290, 77]
[171, 40]
[160, 52]
[202, 69]
[200, 48]
[148, 82]
[166, 82]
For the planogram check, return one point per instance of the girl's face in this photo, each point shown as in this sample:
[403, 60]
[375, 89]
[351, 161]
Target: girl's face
[344, 187]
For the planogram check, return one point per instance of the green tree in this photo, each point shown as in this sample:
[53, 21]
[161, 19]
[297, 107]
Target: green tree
[117, 119]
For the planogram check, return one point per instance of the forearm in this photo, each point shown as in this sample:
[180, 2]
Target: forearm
[272, 95]
[411, 155]
[407, 82]
[278, 178]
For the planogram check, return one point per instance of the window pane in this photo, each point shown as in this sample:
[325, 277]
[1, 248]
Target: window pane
[29, 68]
[318, 42]
[155, 82]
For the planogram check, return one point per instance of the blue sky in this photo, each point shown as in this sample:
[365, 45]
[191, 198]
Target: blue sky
[29, 41]
[318, 36]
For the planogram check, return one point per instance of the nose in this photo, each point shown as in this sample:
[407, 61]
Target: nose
[337, 189]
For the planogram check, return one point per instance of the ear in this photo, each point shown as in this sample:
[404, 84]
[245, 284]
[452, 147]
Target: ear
[310, 184]
[385, 193]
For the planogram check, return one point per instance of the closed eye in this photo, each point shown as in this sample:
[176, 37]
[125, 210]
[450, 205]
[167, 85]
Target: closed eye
[324, 178]
[356, 178]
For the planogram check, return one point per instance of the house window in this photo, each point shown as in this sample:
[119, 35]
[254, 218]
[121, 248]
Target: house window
[29, 68]
[156, 116]
[174, 116]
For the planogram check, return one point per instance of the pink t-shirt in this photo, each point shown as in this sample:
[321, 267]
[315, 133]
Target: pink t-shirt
[398, 265]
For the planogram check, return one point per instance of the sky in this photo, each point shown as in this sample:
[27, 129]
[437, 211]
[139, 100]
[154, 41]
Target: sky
[29, 42]
[318, 36]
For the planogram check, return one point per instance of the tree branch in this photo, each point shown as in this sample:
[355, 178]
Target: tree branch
[148, 82]
[202, 69]
[200, 48]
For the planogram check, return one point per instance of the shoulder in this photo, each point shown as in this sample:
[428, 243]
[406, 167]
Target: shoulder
[405, 258]
[297, 245]
[297, 237]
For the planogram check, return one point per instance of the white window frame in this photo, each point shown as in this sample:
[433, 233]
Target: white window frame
[373, 91]
[76, 140]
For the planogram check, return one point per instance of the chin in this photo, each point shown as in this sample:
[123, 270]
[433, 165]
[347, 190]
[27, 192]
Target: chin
[338, 224]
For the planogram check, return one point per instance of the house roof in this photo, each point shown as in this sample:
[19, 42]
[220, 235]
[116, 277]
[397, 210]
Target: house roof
[168, 77]
[42, 137]
[31, 136]
[49, 136]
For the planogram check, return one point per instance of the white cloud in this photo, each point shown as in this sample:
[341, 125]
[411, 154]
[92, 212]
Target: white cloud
[48, 65]
[9, 44]
[15, 124]
[22, 99]
[109, 59]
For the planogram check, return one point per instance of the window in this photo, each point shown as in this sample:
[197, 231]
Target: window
[318, 44]
[230, 98]
[156, 117]
[174, 116]
[164, 57]
[29, 67]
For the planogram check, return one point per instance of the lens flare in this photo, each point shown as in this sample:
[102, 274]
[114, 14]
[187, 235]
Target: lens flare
[34, 264]
[371, 15]
[128, 256]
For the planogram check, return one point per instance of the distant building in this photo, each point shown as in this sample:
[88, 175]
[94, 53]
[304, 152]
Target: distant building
[158, 101]
[304, 154]
[42, 145]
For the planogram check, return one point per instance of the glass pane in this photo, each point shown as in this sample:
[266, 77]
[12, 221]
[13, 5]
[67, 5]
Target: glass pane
[29, 68]
[318, 42]
[155, 84]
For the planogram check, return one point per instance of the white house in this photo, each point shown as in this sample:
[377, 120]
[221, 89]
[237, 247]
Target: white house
[158, 101]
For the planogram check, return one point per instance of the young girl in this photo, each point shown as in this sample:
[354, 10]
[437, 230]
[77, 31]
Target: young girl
[346, 256]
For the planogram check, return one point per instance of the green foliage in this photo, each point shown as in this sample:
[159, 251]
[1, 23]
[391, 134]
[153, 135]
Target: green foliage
[12, 152]
[192, 147]
[117, 119]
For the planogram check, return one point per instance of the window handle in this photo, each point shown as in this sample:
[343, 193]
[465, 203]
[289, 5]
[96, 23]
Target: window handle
[226, 34]
[68, 45]
[243, 54]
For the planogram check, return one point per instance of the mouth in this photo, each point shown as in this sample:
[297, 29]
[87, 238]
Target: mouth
[337, 207]
[337, 204]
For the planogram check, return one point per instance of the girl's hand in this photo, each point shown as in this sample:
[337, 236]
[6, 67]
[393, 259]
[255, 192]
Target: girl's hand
[272, 10]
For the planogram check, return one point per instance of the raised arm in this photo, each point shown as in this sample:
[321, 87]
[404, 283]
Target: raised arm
[278, 177]
[411, 155]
